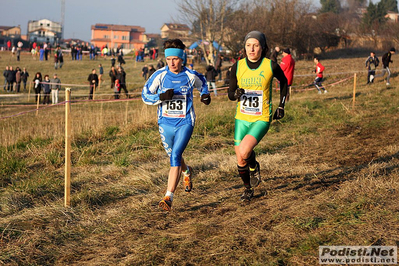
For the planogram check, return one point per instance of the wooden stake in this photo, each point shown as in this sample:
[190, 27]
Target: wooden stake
[354, 91]
[38, 103]
[67, 148]
[94, 90]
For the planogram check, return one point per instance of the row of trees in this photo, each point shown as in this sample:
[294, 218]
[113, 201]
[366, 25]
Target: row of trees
[289, 23]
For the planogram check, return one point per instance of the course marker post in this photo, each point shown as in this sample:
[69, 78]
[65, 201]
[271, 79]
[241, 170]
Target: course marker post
[38, 103]
[67, 201]
[354, 91]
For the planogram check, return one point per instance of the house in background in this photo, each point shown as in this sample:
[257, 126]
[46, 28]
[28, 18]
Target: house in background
[114, 36]
[10, 31]
[392, 16]
[44, 30]
[174, 30]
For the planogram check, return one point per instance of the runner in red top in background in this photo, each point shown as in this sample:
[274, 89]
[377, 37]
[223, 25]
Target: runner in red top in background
[288, 67]
[319, 76]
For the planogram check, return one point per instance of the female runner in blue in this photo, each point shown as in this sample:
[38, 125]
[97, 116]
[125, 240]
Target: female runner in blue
[171, 88]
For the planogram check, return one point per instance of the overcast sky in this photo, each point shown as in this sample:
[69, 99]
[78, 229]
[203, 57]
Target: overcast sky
[80, 15]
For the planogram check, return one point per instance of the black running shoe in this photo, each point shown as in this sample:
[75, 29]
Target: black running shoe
[248, 194]
[254, 174]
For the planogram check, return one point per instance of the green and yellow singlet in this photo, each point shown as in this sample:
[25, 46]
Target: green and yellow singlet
[256, 103]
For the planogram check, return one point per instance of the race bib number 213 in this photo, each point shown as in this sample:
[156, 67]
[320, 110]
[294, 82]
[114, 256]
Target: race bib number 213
[251, 103]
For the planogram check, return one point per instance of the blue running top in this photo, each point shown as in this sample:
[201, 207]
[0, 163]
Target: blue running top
[180, 110]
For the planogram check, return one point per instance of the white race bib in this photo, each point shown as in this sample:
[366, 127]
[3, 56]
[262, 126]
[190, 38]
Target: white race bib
[175, 108]
[251, 103]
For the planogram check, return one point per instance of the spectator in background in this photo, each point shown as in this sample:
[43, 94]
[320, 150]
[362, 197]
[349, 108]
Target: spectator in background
[210, 75]
[37, 85]
[5, 74]
[10, 79]
[121, 76]
[55, 87]
[386, 59]
[41, 54]
[45, 51]
[151, 70]
[46, 90]
[319, 76]
[275, 54]
[93, 81]
[24, 77]
[371, 64]
[117, 89]
[17, 79]
[112, 61]
[144, 72]
[121, 61]
[288, 67]
[18, 53]
[218, 68]
[160, 64]
[112, 74]
[227, 79]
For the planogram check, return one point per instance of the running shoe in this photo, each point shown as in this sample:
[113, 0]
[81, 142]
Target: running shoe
[254, 175]
[165, 203]
[319, 92]
[188, 184]
[388, 83]
[248, 194]
[325, 91]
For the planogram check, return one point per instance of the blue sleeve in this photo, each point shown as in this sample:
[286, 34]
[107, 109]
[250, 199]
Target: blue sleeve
[150, 93]
[201, 86]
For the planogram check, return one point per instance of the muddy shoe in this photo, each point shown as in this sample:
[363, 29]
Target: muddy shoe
[247, 195]
[165, 203]
[187, 183]
[254, 174]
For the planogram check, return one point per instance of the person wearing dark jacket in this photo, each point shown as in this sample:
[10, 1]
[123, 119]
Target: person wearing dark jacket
[17, 79]
[251, 87]
[210, 76]
[121, 61]
[37, 85]
[24, 77]
[386, 59]
[10, 79]
[46, 90]
[151, 70]
[112, 74]
[93, 80]
[121, 76]
[372, 63]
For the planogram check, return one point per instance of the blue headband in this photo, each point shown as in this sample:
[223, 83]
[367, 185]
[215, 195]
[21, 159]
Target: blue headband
[174, 52]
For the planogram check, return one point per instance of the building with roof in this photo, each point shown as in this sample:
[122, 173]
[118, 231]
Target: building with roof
[114, 36]
[175, 31]
[10, 31]
[44, 30]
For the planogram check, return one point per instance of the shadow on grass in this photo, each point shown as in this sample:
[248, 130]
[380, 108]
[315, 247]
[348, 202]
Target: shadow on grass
[327, 178]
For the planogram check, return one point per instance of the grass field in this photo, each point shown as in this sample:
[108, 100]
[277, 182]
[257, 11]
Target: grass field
[330, 177]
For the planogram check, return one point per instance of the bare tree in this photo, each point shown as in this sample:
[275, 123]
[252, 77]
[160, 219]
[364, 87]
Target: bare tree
[208, 17]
